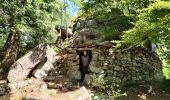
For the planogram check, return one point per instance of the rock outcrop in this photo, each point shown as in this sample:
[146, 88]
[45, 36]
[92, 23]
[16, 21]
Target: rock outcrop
[23, 66]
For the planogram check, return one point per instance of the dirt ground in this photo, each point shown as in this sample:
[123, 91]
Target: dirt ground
[37, 90]
[147, 91]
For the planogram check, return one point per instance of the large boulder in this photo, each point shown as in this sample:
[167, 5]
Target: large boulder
[43, 69]
[22, 67]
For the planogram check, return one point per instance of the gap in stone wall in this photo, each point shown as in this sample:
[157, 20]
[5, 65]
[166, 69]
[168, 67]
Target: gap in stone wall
[80, 53]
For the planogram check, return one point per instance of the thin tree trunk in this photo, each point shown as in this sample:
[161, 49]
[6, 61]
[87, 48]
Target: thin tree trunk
[10, 52]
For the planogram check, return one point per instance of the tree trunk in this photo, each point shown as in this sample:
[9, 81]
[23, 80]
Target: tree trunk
[10, 51]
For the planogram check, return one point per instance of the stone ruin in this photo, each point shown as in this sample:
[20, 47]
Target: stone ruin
[131, 66]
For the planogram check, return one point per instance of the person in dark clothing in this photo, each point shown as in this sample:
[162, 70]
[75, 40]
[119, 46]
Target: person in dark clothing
[85, 64]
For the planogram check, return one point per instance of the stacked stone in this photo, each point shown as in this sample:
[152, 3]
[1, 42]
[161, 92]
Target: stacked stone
[127, 67]
[73, 65]
[130, 66]
[96, 64]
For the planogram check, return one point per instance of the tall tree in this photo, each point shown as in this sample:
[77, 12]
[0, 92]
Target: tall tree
[26, 23]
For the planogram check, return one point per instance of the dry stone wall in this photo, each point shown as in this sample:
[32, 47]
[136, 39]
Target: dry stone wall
[72, 65]
[127, 67]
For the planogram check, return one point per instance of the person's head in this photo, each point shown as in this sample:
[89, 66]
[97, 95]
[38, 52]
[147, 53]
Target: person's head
[85, 53]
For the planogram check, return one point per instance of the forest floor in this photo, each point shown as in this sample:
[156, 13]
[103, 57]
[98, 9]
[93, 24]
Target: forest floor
[38, 90]
[140, 92]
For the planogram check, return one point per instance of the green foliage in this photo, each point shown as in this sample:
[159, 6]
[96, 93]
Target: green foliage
[110, 17]
[98, 82]
[36, 21]
[57, 50]
[77, 2]
[153, 22]
[152, 25]
[166, 69]
[166, 72]
[137, 22]
[131, 6]
[3, 37]
[105, 90]
[127, 6]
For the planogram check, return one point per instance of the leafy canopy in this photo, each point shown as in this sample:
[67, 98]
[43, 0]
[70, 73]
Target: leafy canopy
[36, 20]
[153, 25]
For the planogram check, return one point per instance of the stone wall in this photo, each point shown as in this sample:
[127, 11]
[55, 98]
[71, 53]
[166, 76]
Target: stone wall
[127, 67]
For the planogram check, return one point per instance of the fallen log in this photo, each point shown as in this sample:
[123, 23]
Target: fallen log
[22, 67]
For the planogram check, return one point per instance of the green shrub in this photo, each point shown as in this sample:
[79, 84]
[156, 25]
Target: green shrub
[56, 49]
[104, 90]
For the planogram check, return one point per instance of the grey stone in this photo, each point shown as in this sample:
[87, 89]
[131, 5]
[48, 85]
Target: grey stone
[95, 56]
[101, 58]
[101, 75]
[115, 73]
[93, 63]
[118, 80]
[18, 85]
[75, 63]
[2, 91]
[113, 57]
[130, 66]
[43, 71]
[118, 68]
[51, 55]
[77, 57]
[22, 67]
[158, 76]
[110, 72]
[43, 87]
[50, 78]
[75, 67]
[74, 74]
[80, 94]
[105, 64]
[54, 86]
[124, 80]
[87, 79]
[134, 78]
[72, 55]
[39, 73]
[3, 87]
[109, 79]
[96, 69]
[70, 85]
[105, 67]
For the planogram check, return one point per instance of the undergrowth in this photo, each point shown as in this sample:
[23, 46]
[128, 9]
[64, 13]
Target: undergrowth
[104, 90]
